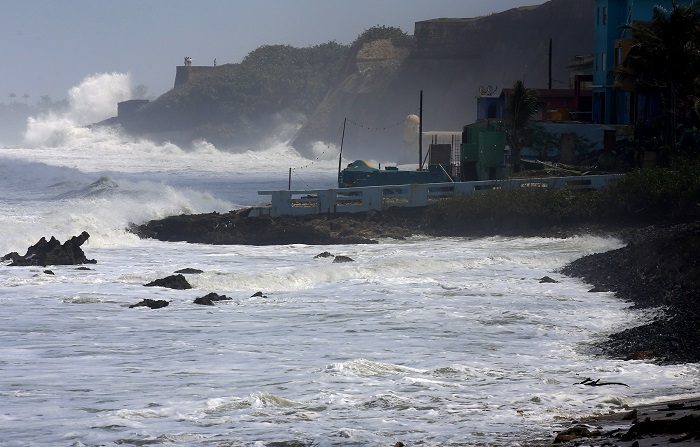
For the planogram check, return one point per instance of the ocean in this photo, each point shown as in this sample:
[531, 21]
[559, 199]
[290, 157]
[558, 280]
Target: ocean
[428, 341]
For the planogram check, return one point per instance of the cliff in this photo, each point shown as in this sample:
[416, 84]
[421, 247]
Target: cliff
[374, 82]
[237, 105]
[449, 60]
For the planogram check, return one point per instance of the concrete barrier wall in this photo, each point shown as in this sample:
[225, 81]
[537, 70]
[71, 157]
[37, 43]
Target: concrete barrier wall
[356, 200]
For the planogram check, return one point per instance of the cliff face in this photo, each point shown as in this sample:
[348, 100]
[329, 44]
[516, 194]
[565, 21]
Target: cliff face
[375, 82]
[450, 59]
[238, 105]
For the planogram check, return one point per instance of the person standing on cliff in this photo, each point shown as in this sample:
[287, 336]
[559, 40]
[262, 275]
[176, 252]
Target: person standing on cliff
[215, 62]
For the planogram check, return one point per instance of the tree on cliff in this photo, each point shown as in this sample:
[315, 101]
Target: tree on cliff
[521, 108]
[665, 62]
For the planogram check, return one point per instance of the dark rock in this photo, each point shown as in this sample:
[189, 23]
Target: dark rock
[597, 289]
[153, 304]
[579, 431]
[547, 279]
[659, 267]
[52, 252]
[641, 355]
[341, 258]
[204, 301]
[325, 254]
[236, 227]
[288, 444]
[49, 272]
[13, 256]
[647, 427]
[189, 271]
[209, 299]
[83, 268]
[258, 295]
[172, 282]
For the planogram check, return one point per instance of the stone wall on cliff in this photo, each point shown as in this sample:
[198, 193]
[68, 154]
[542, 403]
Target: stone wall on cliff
[187, 73]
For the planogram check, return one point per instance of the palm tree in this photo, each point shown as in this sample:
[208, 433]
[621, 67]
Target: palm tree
[521, 108]
[665, 61]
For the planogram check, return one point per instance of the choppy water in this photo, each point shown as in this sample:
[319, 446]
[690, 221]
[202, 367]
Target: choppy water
[429, 341]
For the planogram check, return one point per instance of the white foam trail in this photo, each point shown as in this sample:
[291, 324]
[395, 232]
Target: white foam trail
[104, 209]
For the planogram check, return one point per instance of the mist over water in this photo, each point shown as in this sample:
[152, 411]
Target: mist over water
[430, 341]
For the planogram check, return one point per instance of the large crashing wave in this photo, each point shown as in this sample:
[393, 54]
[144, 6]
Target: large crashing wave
[93, 100]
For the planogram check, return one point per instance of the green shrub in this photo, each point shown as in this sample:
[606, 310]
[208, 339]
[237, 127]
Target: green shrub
[640, 197]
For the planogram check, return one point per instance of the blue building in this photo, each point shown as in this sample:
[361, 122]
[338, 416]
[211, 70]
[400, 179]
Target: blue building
[611, 103]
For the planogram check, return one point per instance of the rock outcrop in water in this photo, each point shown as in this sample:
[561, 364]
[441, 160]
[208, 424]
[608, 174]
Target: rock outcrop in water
[52, 252]
[210, 298]
[151, 304]
[171, 282]
[236, 228]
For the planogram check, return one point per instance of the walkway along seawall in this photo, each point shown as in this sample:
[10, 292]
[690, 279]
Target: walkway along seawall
[357, 200]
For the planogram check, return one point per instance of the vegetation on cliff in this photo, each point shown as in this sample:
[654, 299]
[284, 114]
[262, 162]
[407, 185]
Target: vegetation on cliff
[272, 85]
[314, 88]
[236, 101]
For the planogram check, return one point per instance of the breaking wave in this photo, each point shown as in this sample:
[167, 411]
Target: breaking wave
[93, 100]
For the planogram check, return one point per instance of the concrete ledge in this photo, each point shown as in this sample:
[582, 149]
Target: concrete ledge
[357, 200]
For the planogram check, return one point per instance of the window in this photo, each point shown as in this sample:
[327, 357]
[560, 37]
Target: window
[605, 15]
[602, 62]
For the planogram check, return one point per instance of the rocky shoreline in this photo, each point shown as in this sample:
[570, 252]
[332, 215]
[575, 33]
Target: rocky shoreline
[658, 268]
[235, 227]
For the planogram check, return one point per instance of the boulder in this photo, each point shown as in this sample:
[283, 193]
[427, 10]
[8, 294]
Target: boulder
[258, 295]
[547, 279]
[83, 268]
[13, 256]
[152, 304]
[172, 282]
[341, 258]
[598, 289]
[209, 299]
[52, 252]
[325, 254]
[49, 272]
[189, 271]
[579, 431]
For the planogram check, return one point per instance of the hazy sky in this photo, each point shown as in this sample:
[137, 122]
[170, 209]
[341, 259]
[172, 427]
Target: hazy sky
[48, 46]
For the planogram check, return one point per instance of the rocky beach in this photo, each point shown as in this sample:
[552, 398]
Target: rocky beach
[658, 268]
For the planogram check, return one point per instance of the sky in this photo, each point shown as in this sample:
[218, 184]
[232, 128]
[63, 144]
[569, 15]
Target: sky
[48, 46]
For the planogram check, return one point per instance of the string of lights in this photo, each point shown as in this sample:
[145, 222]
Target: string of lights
[375, 129]
[328, 146]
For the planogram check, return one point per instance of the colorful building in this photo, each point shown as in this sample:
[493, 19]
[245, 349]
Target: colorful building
[612, 103]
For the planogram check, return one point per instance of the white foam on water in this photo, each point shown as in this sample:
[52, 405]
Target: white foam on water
[438, 341]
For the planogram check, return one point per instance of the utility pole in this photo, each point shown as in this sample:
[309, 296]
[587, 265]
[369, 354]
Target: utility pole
[420, 133]
[342, 139]
[550, 63]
